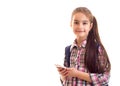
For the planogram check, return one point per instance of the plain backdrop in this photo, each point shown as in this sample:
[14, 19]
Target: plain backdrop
[34, 33]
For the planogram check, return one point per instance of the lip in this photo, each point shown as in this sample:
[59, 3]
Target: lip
[80, 31]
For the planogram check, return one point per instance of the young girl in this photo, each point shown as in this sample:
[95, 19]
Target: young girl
[89, 62]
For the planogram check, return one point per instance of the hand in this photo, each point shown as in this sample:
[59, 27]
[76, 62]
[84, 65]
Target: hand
[62, 71]
[72, 72]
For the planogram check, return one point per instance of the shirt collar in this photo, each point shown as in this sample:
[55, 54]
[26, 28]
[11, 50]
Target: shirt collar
[83, 44]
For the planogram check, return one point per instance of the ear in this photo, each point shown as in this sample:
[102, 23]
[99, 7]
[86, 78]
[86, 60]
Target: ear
[91, 25]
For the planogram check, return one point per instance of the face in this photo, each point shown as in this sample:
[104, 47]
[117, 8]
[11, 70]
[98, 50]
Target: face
[81, 25]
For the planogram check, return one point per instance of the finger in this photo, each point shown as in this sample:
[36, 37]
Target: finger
[60, 69]
[64, 72]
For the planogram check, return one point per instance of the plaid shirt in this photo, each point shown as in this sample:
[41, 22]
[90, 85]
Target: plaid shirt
[77, 61]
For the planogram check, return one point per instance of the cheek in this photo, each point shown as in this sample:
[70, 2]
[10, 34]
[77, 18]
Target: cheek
[88, 29]
[74, 30]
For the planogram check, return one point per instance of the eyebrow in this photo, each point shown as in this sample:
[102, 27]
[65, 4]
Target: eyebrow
[82, 20]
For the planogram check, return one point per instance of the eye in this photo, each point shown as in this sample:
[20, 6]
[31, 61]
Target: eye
[84, 23]
[76, 22]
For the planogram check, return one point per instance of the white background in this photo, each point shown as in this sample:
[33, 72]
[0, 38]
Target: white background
[33, 34]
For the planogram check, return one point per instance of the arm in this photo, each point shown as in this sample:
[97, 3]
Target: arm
[83, 76]
[101, 78]
[94, 78]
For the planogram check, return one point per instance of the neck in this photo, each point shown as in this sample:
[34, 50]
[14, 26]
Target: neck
[80, 40]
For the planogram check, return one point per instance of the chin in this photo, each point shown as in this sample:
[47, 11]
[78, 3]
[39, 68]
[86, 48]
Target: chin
[80, 36]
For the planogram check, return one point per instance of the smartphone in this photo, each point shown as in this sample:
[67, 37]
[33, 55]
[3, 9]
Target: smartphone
[60, 67]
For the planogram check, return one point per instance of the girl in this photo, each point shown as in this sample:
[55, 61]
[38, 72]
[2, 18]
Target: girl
[89, 62]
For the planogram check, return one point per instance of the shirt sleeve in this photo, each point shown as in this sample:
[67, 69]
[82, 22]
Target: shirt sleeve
[100, 79]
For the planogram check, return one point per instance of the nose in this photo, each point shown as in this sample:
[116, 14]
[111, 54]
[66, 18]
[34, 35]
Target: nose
[80, 25]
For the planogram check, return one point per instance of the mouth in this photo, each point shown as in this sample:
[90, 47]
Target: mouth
[80, 31]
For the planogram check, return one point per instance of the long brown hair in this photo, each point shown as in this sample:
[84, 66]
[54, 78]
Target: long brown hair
[92, 62]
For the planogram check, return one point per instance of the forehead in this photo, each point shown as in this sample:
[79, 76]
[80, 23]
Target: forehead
[80, 17]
